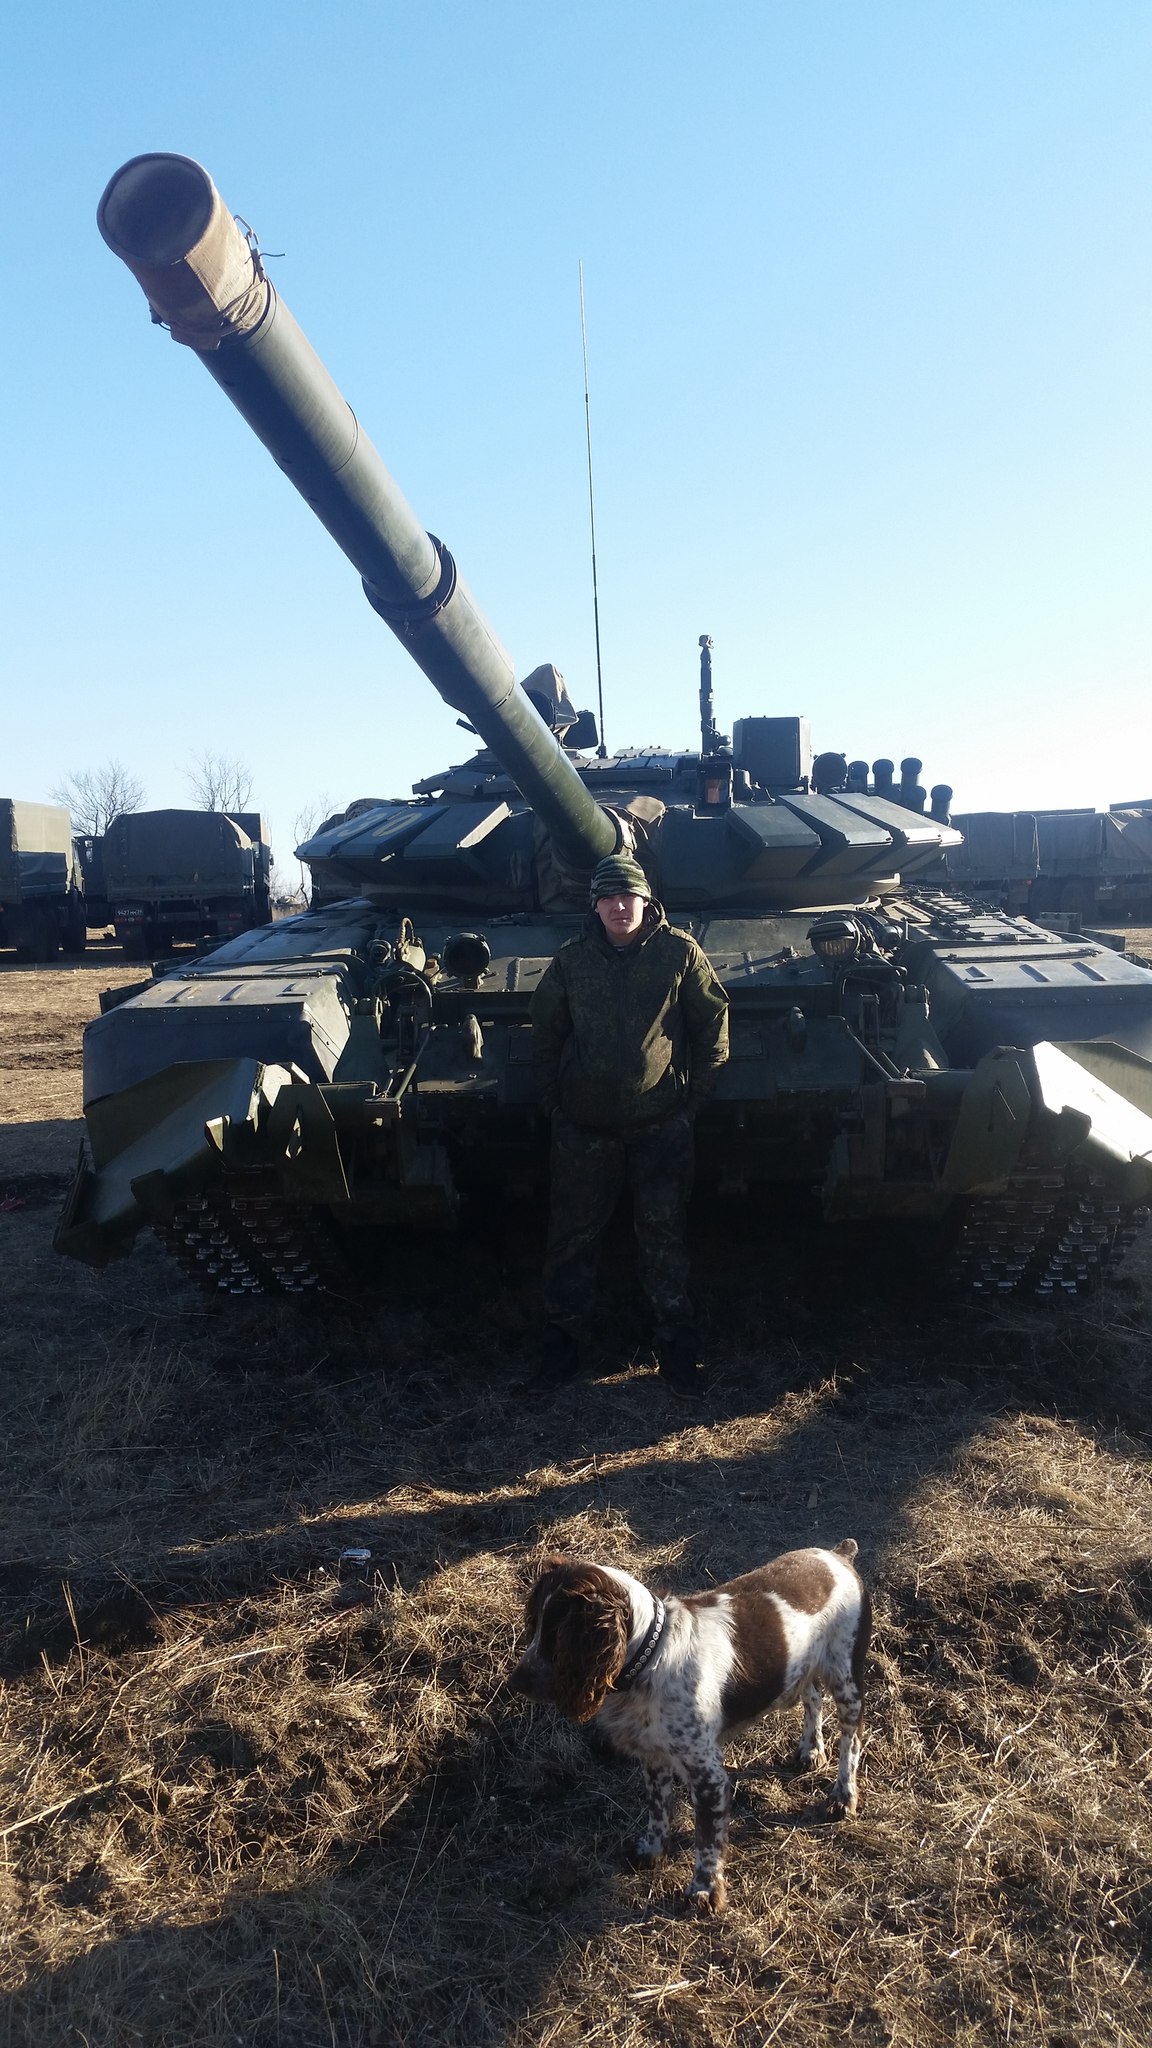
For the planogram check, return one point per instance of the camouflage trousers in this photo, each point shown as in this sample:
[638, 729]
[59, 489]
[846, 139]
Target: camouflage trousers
[589, 1172]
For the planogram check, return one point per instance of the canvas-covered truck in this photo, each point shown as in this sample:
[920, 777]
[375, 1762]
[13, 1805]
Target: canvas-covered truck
[42, 909]
[189, 877]
[89, 847]
[1094, 864]
[999, 856]
[1077, 863]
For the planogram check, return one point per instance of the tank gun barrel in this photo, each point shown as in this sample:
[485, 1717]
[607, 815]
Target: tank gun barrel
[204, 280]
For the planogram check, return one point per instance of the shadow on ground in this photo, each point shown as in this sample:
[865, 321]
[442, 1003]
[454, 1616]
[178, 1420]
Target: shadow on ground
[285, 1799]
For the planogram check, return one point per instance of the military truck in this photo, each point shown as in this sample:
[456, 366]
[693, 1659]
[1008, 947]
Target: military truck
[42, 909]
[1094, 864]
[1078, 864]
[999, 857]
[89, 850]
[186, 876]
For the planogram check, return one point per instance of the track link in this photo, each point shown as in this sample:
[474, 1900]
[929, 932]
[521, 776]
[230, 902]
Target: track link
[244, 1244]
[1050, 1234]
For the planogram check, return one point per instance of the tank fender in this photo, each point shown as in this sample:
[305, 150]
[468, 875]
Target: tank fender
[1084, 1103]
[1101, 1095]
[154, 1142]
[992, 1123]
[296, 1132]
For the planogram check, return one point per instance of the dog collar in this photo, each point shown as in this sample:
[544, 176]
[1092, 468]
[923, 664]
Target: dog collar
[641, 1658]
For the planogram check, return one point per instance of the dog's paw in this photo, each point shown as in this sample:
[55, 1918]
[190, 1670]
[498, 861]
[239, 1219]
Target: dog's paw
[641, 1852]
[706, 1901]
[839, 1805]
[812, 1759]
[599, 1745]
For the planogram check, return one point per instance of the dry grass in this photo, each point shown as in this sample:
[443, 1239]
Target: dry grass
[252, 1798]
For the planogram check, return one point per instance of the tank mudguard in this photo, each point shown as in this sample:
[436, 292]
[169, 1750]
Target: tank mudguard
[165, 1131]
[1072, 1105]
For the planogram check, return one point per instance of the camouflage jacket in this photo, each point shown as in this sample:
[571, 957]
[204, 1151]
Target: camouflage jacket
[626, 1037]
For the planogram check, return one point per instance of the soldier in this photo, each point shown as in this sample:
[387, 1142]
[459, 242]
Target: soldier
[630, 1029]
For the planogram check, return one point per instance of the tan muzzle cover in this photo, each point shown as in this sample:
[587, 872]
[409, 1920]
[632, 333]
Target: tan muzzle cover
[202, 276]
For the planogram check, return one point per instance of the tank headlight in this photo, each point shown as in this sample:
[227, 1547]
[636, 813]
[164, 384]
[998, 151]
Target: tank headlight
[835, 940]
[466, 957]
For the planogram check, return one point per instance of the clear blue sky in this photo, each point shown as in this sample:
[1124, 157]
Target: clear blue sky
[869, 323]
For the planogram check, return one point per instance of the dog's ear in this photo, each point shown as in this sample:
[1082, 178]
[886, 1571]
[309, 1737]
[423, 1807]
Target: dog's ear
[591, 1645]
[546, 1580]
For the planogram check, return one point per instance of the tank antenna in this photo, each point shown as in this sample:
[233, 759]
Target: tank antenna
[709, 737]
[602, 749]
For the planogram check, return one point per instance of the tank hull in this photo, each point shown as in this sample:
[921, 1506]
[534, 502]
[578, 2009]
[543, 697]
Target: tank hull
[255, 1107]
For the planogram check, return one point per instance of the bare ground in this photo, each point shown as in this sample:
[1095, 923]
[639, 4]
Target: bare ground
[255, 1793]
[1137, 939]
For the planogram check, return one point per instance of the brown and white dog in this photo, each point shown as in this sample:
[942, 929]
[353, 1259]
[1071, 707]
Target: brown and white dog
[668, 1681]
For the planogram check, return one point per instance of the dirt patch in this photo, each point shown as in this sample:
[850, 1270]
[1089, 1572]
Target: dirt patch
[258, 1790]
[43, 1011]
[1137, 939]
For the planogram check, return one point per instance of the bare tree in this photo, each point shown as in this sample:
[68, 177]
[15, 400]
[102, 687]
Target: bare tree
[94, 796]
[219, 782]
[303, 826]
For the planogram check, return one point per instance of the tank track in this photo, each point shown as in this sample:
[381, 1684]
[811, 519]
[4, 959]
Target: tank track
[1050, 1235]
[245, 1244]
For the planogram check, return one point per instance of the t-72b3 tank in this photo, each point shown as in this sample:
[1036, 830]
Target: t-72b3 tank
[903, 1052]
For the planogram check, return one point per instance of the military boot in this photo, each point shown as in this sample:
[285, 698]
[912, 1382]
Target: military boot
[680, 1366]
[559, 1361]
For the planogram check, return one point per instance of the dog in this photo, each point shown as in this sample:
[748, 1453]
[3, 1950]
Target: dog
[669, 1680]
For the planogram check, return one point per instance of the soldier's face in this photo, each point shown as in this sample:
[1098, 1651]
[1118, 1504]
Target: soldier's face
[621, 916]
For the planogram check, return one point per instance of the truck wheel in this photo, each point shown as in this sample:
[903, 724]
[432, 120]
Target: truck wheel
[134, 945]
[37, 938]
[1080, 899]
[75, 937]
[1044, 896]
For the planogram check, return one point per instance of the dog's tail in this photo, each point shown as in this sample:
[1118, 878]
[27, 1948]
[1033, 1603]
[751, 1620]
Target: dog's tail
[847, 1549]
